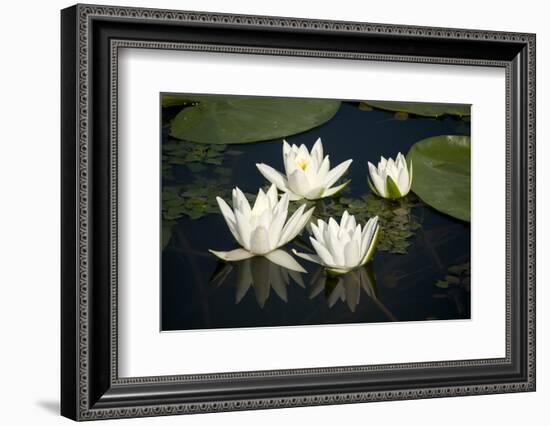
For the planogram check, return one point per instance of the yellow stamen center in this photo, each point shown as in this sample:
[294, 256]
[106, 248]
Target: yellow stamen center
[301, 163]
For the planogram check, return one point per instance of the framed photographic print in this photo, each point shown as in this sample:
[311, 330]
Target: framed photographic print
[263, 212]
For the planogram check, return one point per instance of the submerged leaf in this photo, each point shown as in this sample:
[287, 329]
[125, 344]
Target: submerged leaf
[457, 276]
[442, 284]
[397, 223]
[167, 226]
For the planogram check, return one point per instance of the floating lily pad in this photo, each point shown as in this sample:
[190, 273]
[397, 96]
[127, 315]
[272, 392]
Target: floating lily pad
[175, 100]
[195, 199]
[442, 174]
[244, 119]
[196, 157]
[419, 108]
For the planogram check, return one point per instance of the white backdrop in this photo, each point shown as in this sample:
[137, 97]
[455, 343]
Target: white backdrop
[29, 225]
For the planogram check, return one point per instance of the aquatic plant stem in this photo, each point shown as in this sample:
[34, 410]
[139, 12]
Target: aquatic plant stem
[384, 309]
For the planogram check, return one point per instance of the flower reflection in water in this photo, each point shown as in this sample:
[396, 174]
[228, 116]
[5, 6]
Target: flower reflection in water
[345, 287]
[262, 275]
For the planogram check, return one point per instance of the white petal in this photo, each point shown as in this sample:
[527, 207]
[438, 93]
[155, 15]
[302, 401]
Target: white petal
[294, 197]
[290, 165]
[372, 169]
[286, 148]
[322, 252]
[282, 205]
[401, 162]
[243, 228]
[335, 246]
[291, 224]
[261, 203]
[351, 223]
[272, 196]
[334, 190]
[273, 176]
[323, 169]
[382, 164]
[298, 182]
[240, 202]
[403, 181]
[307, 256]
[336, 173]
[357, 235]
[315, 193]
[391, 169]
[282, 258]
[259, 241]
[317, 233]
[264, 220]
[377, 181]
[372, 245]
[332, 232]
[322, 225]
[302, 221]
[229, 217]
[351, 253]
[233, 255]
[227, 212]
[317, 151]
[276, 226]
[303, 152]
[344, 218]
[368, 233]
[311, 170]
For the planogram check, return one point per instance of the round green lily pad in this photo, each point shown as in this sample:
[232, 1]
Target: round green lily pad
[442, 174]
[421, 108]
[244, 119]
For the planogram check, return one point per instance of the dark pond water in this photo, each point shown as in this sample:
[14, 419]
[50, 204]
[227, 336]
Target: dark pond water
[420, 271]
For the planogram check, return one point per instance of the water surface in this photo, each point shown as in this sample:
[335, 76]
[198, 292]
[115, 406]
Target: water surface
[429, 282]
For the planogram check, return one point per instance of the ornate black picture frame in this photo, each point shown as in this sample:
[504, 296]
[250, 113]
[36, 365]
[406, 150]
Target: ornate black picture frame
[91, 386]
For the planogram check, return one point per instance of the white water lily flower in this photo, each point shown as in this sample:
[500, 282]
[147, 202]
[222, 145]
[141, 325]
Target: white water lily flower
[307, 174]
[342, 247]
[391, 179]
[262, 229]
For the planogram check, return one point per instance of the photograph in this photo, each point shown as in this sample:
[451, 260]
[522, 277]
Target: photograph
[280, 211]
